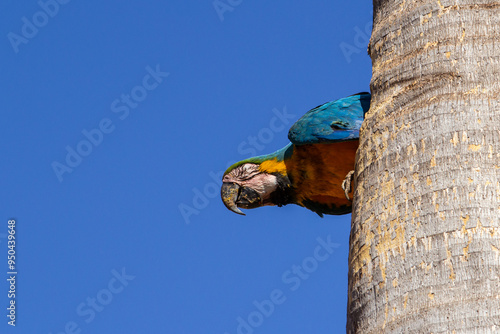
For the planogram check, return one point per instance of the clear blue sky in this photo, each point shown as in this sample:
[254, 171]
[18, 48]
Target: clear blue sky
[118, 118]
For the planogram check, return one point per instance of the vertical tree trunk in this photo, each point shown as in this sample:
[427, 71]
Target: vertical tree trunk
[425, 238]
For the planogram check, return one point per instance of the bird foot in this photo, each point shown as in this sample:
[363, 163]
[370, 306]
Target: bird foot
[346, 184]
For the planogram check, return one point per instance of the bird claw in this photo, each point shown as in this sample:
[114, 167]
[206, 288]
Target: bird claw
[346, 184]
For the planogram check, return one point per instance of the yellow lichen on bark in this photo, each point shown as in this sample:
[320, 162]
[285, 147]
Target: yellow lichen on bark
[448, 257]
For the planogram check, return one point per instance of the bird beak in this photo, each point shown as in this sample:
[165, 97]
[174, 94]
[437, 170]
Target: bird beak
[248, 198]
[229, 194]
[234, 196]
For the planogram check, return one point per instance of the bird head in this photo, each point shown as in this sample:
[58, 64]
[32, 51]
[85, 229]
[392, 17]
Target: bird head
[256, 182]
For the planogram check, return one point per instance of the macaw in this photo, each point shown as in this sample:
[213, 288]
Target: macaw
[311, 170]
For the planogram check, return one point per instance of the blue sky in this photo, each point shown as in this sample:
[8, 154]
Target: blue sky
[118, 119]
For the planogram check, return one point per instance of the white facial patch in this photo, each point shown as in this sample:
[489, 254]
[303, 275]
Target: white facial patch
[241, 173]
[249, 175]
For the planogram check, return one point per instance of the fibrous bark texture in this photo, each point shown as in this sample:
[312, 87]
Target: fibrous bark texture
[425, 239]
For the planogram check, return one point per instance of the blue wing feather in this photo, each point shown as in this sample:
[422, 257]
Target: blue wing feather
[334, 121]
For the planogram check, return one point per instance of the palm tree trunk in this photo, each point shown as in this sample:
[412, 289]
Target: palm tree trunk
[425, 238]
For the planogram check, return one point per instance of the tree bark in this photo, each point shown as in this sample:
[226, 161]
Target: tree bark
[425, 237]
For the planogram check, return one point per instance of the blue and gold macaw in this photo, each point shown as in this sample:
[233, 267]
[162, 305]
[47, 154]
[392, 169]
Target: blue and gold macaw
[311, 170]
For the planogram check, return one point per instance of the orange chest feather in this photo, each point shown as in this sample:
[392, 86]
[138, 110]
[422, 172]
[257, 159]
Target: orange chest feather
[317, 171]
